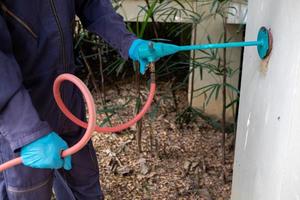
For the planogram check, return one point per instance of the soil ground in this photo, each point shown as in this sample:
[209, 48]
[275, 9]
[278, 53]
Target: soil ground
[175, 163]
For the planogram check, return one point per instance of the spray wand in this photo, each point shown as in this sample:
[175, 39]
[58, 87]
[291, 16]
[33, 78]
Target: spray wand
[263, 43]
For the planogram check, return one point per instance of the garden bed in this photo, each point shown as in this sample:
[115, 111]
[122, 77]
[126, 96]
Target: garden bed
[176, 162]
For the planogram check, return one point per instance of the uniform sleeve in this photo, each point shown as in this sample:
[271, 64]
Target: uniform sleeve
[99, 17]
[19, 121]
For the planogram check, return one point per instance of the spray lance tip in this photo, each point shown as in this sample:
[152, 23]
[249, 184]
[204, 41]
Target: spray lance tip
[265, 40]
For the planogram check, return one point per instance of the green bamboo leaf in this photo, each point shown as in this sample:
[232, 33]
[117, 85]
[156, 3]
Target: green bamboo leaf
[210, 95]
[217, 91]
[232, 88]
[232, 103]
[106, 120]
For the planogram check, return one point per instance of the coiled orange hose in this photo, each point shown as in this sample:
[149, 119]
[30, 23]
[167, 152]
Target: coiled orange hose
[91, 125]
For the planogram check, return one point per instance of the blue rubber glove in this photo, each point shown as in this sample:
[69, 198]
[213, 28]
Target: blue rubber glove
[145, 52]
[46, 153]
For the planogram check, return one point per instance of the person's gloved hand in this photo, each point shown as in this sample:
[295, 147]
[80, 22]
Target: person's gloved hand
[146, 52]
[45, 152]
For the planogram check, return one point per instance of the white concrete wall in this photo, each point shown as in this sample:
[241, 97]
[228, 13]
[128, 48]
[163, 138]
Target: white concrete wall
[131, 11]
[213, 27]
[267, 157]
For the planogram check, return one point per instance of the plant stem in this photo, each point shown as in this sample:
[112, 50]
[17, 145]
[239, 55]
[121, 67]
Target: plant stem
[139, 124]
[224, 98]
[93, 79]
[155, 26]
[102, 94]
[174, 95]
[193, 66]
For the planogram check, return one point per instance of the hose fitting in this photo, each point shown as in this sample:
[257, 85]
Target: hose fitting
[152, 72]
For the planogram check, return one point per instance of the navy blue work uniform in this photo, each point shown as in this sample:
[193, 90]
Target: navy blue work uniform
[35, 47]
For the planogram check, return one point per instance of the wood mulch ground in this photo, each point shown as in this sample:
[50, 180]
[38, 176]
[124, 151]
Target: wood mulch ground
[175, 163]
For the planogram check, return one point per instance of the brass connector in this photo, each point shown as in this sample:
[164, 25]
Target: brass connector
[152, 67]
[152, 71]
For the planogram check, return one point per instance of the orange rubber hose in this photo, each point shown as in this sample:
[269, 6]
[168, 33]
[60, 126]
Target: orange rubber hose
[91, 125]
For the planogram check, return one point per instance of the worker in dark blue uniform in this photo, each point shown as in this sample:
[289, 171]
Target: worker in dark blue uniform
[35, 47]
